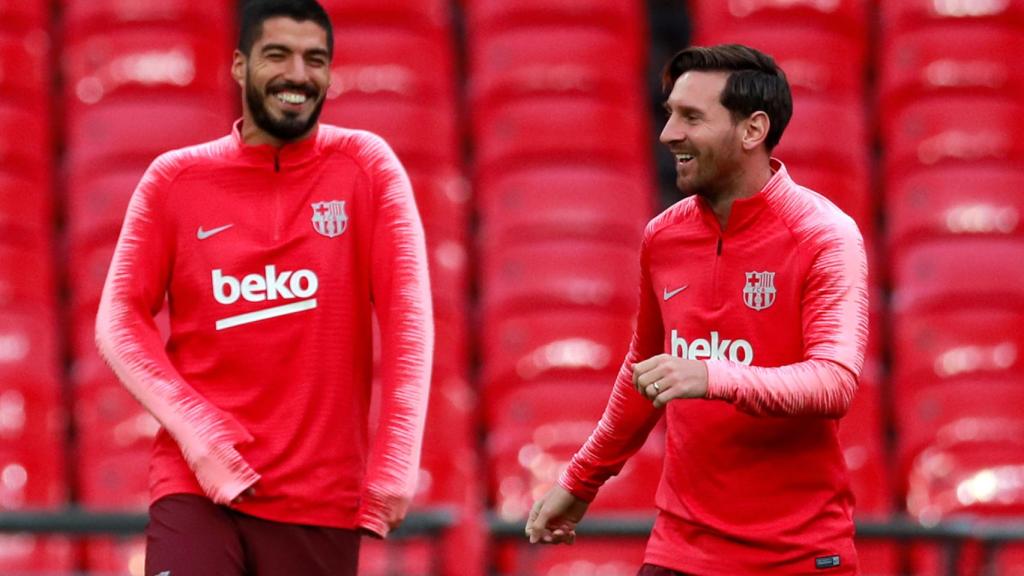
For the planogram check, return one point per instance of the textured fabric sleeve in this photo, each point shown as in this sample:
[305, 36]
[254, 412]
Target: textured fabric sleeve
[127, 338]
[629, 417]
[834, 315]
[401, 293]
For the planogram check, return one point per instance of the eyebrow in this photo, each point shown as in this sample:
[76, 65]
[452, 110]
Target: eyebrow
[283, 48]
[683, 109]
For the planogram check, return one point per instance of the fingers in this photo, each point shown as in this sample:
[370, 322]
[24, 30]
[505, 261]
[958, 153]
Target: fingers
[248, 493]
[647, 372]
[539, 531]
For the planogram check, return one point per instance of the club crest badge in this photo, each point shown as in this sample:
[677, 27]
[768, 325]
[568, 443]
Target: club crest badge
[329, 218]
[759, 290]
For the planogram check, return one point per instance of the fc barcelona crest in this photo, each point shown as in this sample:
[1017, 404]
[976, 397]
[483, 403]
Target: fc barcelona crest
[329, 218]
[759, 291]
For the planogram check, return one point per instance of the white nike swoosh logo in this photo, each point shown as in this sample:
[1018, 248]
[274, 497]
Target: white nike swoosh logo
[668, 294]
[204, 234]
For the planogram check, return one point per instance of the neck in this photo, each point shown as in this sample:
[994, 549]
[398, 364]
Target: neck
[253, 135]
[745, 184]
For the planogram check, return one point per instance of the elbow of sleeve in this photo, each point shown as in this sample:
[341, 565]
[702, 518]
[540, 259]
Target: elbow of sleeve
[845, 390]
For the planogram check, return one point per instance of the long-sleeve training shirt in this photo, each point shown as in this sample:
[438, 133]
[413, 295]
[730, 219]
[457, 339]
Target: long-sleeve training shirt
[272, 262]
[775, 304]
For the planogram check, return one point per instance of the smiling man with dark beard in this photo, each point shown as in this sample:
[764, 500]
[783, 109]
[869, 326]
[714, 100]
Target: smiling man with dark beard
[275, 245]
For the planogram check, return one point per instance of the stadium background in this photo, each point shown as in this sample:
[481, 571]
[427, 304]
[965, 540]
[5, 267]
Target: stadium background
[529, 130]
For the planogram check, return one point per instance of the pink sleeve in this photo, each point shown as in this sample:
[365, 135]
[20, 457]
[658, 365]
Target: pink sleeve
[834, 313]
[401, 293]
[129, 341]
[629, 417]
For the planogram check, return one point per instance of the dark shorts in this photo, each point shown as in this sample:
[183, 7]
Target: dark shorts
[189, 535]
[652, 570]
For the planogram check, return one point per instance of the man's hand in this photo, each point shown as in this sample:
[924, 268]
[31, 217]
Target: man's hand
[554, 517]
[664, 377]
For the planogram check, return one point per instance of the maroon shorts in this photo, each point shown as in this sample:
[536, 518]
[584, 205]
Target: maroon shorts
[189, 535]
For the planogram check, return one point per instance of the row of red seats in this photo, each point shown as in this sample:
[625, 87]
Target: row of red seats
[563, 187]
[949, 117]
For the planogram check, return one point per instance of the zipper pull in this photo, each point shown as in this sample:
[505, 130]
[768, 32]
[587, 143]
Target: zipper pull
[277, 161]
[718, 251]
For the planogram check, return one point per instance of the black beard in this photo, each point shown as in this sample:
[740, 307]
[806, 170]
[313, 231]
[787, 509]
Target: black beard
[287, 128]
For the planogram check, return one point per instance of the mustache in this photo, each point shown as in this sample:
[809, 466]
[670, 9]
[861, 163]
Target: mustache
[309, 90]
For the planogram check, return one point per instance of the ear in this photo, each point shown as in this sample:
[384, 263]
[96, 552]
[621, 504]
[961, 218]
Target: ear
[755, 130]
[238, 66]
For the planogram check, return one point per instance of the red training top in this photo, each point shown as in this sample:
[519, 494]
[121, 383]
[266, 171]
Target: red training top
[272, 262]
[776, 304]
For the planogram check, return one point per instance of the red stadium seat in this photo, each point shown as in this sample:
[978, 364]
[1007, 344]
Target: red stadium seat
[123, 555]
[116, 481]
[971, 413]
[568, 46]
[558, 130]
[834, 73]
[940, 130]
[849, 17]
[87, 271]
[590, 555]
[849, 189]
[843, 147]
[567, 343]
[409, 557]
[531, 439]
[24, 70]
[625, 18]
[32, 473]
[109, 419]
[951, 273]
[96, 206]
[559, 274]
[29, 345]
[390, 61]
[136, 62]
[585, 201]
[420, 134]
[425, 14]
[448, 465]
[25, 144]
[30, 554]
[26, 211]
[954, 201]
[107, 137]
[26, 278]
[899, 15]
[443, 199]
[861, 435]
[921, 62]
[25, 14]
[214, 20]
[948, 345]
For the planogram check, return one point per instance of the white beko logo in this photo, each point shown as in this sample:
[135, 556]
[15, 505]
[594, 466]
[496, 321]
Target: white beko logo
[759, 290]
[265, 287]
[715, 349]
[329, 218]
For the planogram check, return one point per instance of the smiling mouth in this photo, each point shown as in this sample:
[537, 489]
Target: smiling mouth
[288, 97]
[684, 158]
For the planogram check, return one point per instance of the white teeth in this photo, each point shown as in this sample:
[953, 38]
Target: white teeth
[291, 97]
[684, 157]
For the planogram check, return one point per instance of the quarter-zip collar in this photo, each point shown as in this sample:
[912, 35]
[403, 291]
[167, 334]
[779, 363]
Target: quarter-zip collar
[745, 211]
[288, 155]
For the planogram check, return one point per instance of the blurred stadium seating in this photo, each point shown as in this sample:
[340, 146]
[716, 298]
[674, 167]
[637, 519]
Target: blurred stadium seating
[526, 129]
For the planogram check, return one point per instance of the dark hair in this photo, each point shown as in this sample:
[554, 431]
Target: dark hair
[255, 12]
[756, 83]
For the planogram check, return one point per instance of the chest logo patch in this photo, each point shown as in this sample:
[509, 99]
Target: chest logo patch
[759, 290]
[329, 218]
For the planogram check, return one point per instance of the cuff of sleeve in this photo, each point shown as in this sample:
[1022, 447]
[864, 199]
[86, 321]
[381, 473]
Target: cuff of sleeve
[375, 525]
[718, 378]
[577, 487]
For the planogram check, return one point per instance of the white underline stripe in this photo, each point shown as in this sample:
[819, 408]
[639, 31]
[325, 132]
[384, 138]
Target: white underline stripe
[274, 312]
